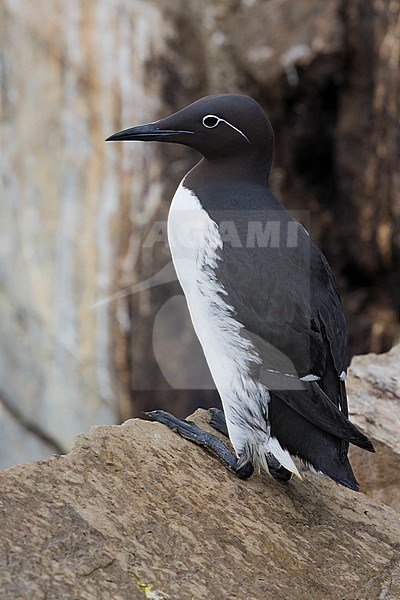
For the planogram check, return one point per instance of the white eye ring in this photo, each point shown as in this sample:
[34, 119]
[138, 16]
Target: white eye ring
[216, 121]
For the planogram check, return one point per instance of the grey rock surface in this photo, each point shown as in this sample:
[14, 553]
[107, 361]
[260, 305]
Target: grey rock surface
[374, 399]
[75, 213]
[13, 432]
[135, 511]
[71, 73]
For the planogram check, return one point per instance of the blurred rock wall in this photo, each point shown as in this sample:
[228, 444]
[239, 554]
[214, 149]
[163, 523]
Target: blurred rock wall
[71, 73]
[78, 216]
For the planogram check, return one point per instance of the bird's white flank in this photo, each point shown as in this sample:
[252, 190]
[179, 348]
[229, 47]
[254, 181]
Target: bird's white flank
[194, 242]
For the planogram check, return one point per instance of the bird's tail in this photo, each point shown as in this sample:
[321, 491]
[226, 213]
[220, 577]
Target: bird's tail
[317, 408]
[343, 473]
[314, 445]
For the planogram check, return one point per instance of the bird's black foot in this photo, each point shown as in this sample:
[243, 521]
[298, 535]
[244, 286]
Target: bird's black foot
[192, 432]
[277, 471]
[218, 421]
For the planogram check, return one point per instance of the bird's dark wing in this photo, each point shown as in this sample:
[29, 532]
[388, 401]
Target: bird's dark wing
[286, 296]
[309, 400]
[288, 302]
[330, 345]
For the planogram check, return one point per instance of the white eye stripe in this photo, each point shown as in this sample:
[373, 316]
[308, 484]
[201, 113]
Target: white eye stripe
[218, 121]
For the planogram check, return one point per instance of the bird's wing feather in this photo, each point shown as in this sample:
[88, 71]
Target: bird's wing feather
[285, 296]
[287, 300]
[310, 401]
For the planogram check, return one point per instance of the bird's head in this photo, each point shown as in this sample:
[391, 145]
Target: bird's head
[218, 126]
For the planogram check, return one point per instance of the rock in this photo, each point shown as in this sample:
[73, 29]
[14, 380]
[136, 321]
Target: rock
[136, 511]
[68, 197]
[374, 399]
[314, 35]
[12, 431]
[368, 137]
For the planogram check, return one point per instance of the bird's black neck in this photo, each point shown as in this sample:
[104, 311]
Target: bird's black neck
[231, 183]
[230, 169]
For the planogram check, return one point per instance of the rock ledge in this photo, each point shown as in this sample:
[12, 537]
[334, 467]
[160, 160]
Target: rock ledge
[135, 511]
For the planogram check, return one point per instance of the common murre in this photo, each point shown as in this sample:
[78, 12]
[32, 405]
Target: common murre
[268, 316]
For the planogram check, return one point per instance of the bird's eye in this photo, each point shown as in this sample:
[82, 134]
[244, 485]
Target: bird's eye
[211, 121]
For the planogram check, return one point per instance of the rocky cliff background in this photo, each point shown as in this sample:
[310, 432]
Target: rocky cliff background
[87, 335]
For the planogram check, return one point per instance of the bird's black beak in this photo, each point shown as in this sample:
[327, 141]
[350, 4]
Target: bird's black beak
[151, 132]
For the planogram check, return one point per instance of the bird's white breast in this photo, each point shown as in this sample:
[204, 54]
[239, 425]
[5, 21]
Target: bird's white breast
[194, 241]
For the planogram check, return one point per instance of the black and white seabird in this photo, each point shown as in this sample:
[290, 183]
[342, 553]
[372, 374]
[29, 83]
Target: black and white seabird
[262, 299]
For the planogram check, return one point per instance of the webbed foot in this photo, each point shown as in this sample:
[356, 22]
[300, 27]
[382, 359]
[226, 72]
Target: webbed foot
[192, 432]
[276, 470]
